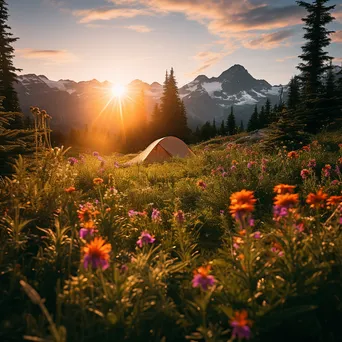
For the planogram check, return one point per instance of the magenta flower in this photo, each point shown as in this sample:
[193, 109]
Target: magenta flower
[85, 232]
[132, 213]
[251, 222]
[224, 174]
[280, 211]
[334, 182]
[257, 235]
[145, 239]
[155, 216]
[202, 278]
[304, 173]
[72, 161]
[241, 325]
[221, 212]
[179, 217]
[312, 163]
[96, 154]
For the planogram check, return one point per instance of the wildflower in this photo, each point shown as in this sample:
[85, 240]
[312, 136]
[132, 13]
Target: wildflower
[250, 164]
[86, 214]
[202, 278]
[179, 216]
[72, 161]
[116, 165]
[70, 190]
[334, 201]
[108, 210]
[155, 216]
[123, 268]
[257, 235]
[234, 162]
[316, 200]
[224, 174]
[237, 241]
[96, 154]
[242, 203]
[88, 230]
[145, 239]
[132, 213]
[221, 212]
[326, 170]
[335, 182]
[306, 148]
[339, 160]
[277, 249]
[97, 181]
[293, 155]
[312, 163]
[233, 168]
[96, 253]
[286, 200]
[251, 222]
[113, 191]
[201, 184]
[304, 173]
[340, 146]
[241, 325]
[284, 189]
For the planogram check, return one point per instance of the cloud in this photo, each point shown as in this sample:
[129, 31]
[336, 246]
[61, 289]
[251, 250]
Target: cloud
[337, 37]
[270, 40]
[139, 28]
[89, 15]
[338, 60]
[281, 60]
[51, 56]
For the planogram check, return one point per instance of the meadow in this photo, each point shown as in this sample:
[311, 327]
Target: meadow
[233, 244]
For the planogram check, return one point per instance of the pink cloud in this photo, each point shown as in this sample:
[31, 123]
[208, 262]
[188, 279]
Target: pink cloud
[51, 56]
[139, 28]
[337, 37]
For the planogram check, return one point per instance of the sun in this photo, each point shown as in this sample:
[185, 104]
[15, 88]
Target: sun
[118, 90]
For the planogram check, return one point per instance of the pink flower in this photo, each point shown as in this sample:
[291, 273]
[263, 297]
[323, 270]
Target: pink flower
[84, 232]
[202, 278]
[145, 239]
[201, 184]
[312, 163]
[305, 173]
[132, 213]
[257, 235]
[155, 216]
[179, 217]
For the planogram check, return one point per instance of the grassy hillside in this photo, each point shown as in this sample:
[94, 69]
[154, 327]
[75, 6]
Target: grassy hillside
[186, 254]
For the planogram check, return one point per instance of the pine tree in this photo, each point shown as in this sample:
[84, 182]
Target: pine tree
[242, 126]
[7, 70]
[330, 87]
[222, 128]
[156, 123]
[268, 112]
[314, 58]
[12, 141]
[214, 129]
[206, 131]
[253, 122]
[262, 118]
[231, 122]
[294, 93]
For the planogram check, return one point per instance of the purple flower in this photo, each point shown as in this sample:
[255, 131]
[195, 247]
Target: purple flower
[123, 268]
[280, 211]
[179, 216]
[202, 278]
[251, 222]
[132, 213]
[84, 232]
[312, 163]
[257, 235]
[96, 154]
[145, 239]
[95, 262]
[233, 168]
[221, 212]
[72, 161]
[155, 216]
[116, 165]
[241, 325]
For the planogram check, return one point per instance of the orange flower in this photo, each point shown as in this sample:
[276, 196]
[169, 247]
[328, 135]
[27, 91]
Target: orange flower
[286, 200]
[97, 181]
[334, 201]
[306, 148]
[241, 325]
[242, 202]
[96, 253]
[339, 161]
[234, 162]
[203, 270]
[86, 215]
[293, 155]
[70, 189]
[316, 200]
[284, 189]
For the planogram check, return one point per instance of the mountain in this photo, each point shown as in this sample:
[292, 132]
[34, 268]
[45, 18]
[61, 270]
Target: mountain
[76, 104]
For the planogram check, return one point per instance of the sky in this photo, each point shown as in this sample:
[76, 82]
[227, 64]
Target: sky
[123, 40]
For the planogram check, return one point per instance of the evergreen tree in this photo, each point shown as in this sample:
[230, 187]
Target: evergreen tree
[231, 122]
[214, 129]
[330, 88]
[222, 128]
[156, 123]
[294, 93]
[7, 70]
[206, 131]
[183, 129]
[314, 58]
[268, 112]
[12, 141]
[262, 118]
[253, 122]
[242, 126]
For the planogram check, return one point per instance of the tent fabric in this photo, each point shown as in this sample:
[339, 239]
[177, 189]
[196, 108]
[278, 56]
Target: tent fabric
[161, 150]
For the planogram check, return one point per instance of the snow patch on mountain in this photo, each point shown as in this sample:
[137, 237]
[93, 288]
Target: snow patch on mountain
[246, 99]
[258, 94]
[212, 87]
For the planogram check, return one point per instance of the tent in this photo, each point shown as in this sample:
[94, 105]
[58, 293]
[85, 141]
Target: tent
[162, 150]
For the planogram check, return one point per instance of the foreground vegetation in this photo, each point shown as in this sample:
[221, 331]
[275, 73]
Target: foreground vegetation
[175, 251]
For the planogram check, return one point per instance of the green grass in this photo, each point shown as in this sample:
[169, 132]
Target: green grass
[292, 295]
